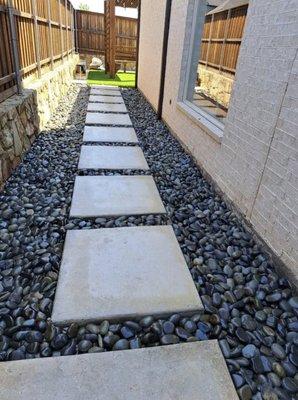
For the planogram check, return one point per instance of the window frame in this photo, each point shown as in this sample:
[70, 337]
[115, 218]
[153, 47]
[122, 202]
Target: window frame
[190, 58]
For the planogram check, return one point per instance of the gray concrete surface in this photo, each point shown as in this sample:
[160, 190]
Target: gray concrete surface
[104, 87]
[103, 107]
[109, 134]
[123, 273]
[114, 196]
[112, 157]
[105, 92]
[108, 119]
[190, 371]
[106, 99]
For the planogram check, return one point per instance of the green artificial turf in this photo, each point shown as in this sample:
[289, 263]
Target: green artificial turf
[124, 79]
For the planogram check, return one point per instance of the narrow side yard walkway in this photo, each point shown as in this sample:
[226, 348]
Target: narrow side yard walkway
[248, 308]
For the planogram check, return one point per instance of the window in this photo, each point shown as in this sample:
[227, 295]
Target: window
[214, 30]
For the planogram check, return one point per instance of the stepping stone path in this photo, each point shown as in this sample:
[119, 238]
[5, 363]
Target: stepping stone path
[106, 99]
[102, 107]
[191, 371]
[123, 273]
[99, 196]
[120, 273]
[103, 92]
[103, 134]
[94, 118]
[112, 157]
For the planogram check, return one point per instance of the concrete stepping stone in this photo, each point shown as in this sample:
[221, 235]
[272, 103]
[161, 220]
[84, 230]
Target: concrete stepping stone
[112, 157]
[192, 371]
[109, 134]
[123, 273]
[105, 92]
[103, 107]
[106, 99]
[107, 87]
[95, 118]
[96, 196]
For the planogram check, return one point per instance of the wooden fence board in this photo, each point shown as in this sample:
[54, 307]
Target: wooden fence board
[41, 38]
[90, 32]
[221, 39]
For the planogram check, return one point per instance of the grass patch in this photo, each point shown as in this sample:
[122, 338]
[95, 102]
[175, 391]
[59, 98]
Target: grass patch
[123, 79]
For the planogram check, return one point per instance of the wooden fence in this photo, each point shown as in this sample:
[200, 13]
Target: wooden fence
[34, 36]
[221, 39]
[91, 35]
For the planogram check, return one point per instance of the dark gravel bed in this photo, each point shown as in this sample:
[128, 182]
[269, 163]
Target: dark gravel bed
[116, 222]
[105, 172]
[249, 309]
[110, 144]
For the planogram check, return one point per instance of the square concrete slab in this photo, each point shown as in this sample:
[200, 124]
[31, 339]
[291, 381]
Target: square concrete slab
[103, 107]
[105, 92]
[186, 371]
[95, 118]
[106, 99]
[96, 196]
[123, 273]
[112, 157]
[109, 134]
[107, 87]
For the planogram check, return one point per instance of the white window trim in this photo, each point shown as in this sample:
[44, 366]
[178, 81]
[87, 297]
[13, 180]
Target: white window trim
[195, 16]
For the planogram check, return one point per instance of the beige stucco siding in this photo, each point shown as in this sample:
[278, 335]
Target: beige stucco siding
[150, 52]
[256, 163]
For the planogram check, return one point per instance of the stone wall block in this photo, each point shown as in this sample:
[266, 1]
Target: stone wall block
[6, 138]
[18, 132]
[24, 116]
[26, 142]
[5, 168]
[12, 113]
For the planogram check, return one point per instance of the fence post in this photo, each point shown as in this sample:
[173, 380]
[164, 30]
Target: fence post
[50, 34]
[61, 31]
[76, 30]
[66, 27]
[14, 45]
[72, 28]
[36, 38]
[224, 39]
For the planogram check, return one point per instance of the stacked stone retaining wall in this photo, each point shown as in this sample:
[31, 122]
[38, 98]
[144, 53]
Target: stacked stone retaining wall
[23, 116]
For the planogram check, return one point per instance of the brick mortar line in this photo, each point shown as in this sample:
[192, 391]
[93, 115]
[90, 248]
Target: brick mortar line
[271, 140]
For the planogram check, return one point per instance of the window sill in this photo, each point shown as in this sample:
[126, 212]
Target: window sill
[204, 123]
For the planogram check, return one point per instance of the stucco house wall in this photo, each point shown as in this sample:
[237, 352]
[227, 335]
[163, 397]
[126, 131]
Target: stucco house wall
[150, 51]
[256, 162]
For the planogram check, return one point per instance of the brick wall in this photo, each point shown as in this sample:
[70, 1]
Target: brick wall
[275, 210]
[255, 164]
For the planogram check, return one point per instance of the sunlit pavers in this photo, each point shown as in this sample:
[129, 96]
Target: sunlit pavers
[105, 92]
[103, 107]
[112, 157]
[109, 134]
[189, 371]
[115, 195]
[122, 273]
[94, 118]
[107, 87]
[106, 99]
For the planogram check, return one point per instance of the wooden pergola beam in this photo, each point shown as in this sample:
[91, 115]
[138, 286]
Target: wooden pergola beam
[110, 31]
[110, 37]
